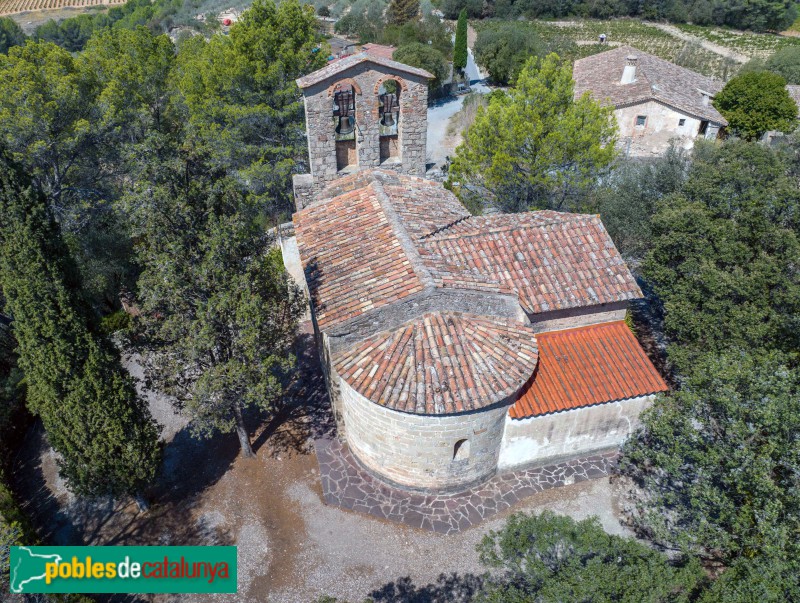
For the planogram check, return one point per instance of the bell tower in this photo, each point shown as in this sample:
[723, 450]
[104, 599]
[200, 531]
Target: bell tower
[363, 111]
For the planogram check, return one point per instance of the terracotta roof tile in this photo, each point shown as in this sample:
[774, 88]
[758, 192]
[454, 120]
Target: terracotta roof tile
[656, 79]
[587, 366]
[379, 50]
[441, 363]
[337, 66]
[552, 260]
[352, 257]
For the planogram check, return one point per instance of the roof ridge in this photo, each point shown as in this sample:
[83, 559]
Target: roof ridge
[404, 238]
[344, 63]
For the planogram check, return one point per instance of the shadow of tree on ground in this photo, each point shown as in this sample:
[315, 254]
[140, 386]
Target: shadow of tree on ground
[452, 588]
[304, 413]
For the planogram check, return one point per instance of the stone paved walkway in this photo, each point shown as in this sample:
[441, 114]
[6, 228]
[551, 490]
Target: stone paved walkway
[348, 485]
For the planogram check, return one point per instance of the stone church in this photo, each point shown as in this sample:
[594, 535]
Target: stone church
[455, 347]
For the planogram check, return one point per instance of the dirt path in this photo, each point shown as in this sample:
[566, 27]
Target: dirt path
[710, 46]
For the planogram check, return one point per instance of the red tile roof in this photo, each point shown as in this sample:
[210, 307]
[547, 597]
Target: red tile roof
[586, 366]
[379, 50]
[375, 237]
[336, 67]
[352, 257]
[552, 260]
[656, 79]
[441, 363]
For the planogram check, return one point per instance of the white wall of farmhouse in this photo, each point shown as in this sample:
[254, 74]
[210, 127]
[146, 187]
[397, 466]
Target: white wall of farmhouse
[662, 125]
[568, 434]
[442, 453]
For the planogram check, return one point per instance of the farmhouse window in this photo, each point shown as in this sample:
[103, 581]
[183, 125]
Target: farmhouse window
[641, 120]
[681, 122]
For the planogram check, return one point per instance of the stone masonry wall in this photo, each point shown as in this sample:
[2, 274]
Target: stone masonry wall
[418, 451]
[568, 434]
[366, 78]
[578, 317]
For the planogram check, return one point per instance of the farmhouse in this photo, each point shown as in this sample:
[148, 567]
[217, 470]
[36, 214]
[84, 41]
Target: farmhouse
[654, 100]
[454, 346]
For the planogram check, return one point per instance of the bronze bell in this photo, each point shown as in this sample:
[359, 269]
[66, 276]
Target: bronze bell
[387, 107]
[345, 125]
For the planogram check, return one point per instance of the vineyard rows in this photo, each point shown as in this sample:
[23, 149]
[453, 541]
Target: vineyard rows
[9, 7]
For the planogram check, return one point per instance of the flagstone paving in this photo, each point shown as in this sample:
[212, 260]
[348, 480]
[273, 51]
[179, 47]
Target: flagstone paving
[346, 484]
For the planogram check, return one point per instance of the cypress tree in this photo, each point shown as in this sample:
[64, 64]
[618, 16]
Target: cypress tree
[402, 11]
[103, 431]
[460, 54]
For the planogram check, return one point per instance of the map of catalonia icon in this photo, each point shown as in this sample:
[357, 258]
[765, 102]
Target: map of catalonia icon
[29, 567]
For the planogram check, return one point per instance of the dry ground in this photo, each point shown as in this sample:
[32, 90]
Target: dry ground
[292, 548]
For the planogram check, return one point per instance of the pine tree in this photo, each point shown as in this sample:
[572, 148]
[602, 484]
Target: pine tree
[103, 432]
[402, 11]
[460, 54]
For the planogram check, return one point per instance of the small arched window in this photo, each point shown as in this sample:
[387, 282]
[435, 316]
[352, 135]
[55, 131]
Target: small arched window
[461, 450]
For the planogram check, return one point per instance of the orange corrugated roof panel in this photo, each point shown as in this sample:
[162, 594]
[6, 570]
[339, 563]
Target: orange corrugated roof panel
[586, 366]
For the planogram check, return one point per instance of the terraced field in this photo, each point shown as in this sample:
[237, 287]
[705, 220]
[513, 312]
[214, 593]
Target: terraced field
[713, 51]
[744, 42]
[11, 7]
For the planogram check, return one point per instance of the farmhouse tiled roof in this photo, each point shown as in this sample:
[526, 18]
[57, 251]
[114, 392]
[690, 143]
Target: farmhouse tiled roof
[656, 80]
[337, 66]
[441, 363]
[379, 50]
[553, 261]
[587, 366]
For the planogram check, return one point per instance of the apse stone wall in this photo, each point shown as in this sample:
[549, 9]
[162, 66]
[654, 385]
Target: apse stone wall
[568, 434]
[438, 453]
[366, 78]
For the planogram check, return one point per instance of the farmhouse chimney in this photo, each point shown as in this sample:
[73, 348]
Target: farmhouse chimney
[629, 73]
[706, 97]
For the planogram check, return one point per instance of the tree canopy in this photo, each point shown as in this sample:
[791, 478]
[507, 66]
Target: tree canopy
[104, 434]
[724, 253]
[11, 34]
[219, 312]
[504, 47]
[535, 146]
[786, 63]
[755, 103]
[551, 558]
[720, 459]
[460, 54]
[402, 11]
[421, 55]
[241, 102]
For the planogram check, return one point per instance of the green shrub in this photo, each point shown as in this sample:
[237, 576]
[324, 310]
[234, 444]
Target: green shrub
[116, 321]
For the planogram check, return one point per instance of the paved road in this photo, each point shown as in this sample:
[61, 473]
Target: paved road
[440, 113]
